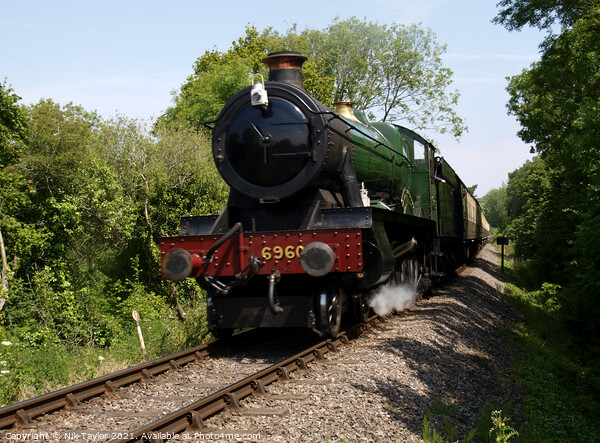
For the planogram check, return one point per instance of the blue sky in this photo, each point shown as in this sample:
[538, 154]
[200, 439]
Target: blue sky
[129, 56]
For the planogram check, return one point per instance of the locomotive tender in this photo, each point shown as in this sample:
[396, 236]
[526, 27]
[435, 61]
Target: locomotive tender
[324, 206]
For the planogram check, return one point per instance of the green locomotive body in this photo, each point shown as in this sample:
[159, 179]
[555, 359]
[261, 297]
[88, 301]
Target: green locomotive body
[324, 207]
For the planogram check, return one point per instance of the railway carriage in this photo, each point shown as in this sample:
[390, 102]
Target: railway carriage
[324, 207]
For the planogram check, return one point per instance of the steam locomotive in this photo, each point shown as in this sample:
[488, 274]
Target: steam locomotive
[324, 206]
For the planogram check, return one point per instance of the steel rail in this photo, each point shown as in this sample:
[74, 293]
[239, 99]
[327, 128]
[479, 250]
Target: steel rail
[190, 418]
[22, 413]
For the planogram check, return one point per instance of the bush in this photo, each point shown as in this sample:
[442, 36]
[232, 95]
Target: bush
[558, 371]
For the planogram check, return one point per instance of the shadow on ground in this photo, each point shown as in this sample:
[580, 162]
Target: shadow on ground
[458, 364]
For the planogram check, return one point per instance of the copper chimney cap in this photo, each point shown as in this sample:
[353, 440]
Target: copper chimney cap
[286, 67]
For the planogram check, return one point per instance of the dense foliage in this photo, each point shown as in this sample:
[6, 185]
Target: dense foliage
[83, 202]
[88, 200]
[551, 205]
[12, 132]
[393, 72]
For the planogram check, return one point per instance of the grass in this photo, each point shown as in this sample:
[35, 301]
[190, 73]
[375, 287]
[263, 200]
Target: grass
[559, 371]
[27, 371]
[561, 381]
[444, 414]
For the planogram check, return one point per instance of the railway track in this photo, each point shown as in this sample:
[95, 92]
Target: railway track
[21, 414]
[189, 421]
[75, 399]
[190, 418]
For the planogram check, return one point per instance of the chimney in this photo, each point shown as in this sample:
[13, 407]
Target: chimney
[286, 67]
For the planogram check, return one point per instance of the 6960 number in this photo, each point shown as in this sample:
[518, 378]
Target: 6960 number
[279, 252]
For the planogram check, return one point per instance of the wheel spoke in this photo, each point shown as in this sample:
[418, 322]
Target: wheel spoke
[331, 311]
[408, 273]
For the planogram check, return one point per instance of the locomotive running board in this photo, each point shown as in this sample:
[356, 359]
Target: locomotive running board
[364, 218]
[421, 226]
[335, 218]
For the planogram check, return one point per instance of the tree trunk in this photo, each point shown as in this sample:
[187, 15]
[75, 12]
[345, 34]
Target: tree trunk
[175, 300]
[4, 284]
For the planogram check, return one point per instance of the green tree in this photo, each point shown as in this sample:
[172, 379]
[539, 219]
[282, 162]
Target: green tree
[89, 200]
[216, 78]
[494, 206]
[556, 101]
[394, 72]
[12, 132]
[516, 14]
[204, 94]
[473, 189]
[541, 230]
[163, 177]
[64, 213]
[12, 125]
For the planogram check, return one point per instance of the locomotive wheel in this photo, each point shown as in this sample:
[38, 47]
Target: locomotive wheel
[360, 307]
[409, 272]
[330, 308]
